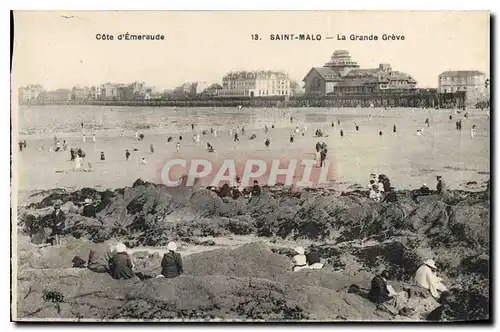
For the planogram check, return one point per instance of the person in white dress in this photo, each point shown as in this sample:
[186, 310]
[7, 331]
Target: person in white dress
[178, 147]
[93, 137]
[78, 163]
[84, 139]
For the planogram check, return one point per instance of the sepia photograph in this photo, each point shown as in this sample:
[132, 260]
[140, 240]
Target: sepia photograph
[250, 166]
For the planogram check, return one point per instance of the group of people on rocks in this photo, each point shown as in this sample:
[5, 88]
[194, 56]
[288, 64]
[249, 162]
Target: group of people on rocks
[116, 261]
[398, 303]
[237, 190]
[380, 189]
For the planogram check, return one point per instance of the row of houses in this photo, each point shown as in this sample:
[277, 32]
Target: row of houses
[106, 91]
[340, 76]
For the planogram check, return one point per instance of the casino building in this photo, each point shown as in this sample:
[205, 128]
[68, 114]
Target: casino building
[342, 76]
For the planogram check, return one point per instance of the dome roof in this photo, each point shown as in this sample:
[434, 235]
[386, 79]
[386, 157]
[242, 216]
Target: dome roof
[341, 58]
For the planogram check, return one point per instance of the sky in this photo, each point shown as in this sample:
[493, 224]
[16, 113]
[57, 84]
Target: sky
[59, 52]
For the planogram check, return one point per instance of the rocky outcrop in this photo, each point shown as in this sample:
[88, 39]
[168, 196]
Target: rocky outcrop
[353, 235]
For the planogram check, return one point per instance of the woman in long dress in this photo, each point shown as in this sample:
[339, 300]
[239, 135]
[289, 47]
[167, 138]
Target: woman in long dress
[78, 163]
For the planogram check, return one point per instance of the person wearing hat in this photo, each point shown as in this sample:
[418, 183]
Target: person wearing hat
[58, 223]
[120, 265]
[88, 210]
[424, 190]
[171, 264]
[427, 279]
[299, 260]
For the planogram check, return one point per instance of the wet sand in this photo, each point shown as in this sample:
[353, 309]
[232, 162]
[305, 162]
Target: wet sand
[409, 160]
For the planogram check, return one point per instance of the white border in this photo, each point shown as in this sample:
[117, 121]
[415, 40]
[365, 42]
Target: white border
[186, 5]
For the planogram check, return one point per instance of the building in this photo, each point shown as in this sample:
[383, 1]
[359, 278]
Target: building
[110, 91]
[343, 76]
[80, 93]
[95, 92]
[200, 87]
[59, 95]
[255, 84]
[30, 93]
[472, 82]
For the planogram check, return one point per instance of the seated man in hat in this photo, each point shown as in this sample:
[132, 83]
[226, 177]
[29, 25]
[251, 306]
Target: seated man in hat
[427, 279]
[88, 210]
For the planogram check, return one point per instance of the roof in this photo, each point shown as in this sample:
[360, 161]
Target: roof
[326, 73]
[455, 73]
[357, 82]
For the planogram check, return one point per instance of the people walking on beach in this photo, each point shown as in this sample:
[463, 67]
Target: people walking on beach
[291, 138]
[77, 163]
[357, 128]
[72, 154]
[215, 132]
[243, 130]
[93, 137]
[473, 131]
[103, 157]
[81, 124]
[451, 117]
[169, 139]
[380, 132]
[198, 138]
[419, 132]
[236, 139]
[267, 143]
[127, 154]
[84, 139]
[21, 145]
[394, 128]
[143, 161]
[171, 264]
[322, 157]
[136, 134]
[192, 126]
[65, 145]
[427, 122]
[120, 265]
[333, 124]
[266, 129]
[194, 140]
[151, 148]
[180, 137]
[178, 147]
[58, 223]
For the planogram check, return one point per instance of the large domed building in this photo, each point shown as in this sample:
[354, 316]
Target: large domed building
[342, 76]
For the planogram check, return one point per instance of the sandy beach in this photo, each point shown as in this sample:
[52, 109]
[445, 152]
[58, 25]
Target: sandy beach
[409, 160]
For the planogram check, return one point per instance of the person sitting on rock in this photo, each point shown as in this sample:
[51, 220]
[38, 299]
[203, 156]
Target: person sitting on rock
[255, 189]
[426, 278]
[375, 193]
[88, 210]
[424, 190]
[391, 196]
[299, 261]
[386, 183]
[120, 265]
[384, 294]
[171, 264]
[313, 258]
[99, 258]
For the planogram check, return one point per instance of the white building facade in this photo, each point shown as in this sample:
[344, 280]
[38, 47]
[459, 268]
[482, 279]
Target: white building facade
[256, 84]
